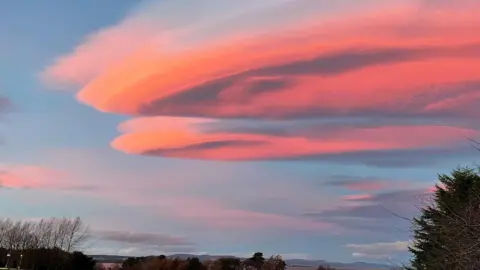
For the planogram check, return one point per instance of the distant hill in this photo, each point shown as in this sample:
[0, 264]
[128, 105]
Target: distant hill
[293, 264]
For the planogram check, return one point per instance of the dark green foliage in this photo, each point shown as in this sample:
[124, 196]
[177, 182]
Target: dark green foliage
[194, 264]
[80, 261]
[132, 262]
[447, 232]
[229, 263]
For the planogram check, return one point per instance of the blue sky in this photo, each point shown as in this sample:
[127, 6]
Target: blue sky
[214, 125]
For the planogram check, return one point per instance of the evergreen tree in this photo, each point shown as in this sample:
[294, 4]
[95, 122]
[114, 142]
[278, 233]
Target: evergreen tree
[194, 264]
[447, 234]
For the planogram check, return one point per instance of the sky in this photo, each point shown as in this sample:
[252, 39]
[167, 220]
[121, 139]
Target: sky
[292, 127]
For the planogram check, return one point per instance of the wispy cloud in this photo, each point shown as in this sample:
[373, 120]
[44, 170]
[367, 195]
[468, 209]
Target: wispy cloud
[145, 241]
[5, 104]
[210, 213]
[384, 212]
[359, 183]
[36, 177]
[380, 250]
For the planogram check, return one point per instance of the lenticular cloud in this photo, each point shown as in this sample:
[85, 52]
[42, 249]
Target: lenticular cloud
[210, 85]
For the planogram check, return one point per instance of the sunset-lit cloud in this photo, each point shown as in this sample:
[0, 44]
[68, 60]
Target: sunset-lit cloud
[226, 126]
[180, 139]
[37, 177]
[373, 66]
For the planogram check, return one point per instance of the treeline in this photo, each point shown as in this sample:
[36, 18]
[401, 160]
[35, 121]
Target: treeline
[256, 262]
[48, 244]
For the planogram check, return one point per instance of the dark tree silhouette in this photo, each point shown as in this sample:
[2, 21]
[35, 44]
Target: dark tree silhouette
[194, 264]
[227, 264]
[80, 261]
[447, 232]
[256, 261]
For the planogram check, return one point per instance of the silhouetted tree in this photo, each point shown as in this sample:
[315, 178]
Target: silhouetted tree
[447, 232]
[255, 262]
[227, 264]
[325, 267]
[133, 262]
[80, 261]
[194, 264]
[274, 263]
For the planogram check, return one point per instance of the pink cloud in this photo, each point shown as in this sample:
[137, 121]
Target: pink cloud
[380, 63]
[147, 76]
[211, 213]
[182, 140]
[37, 177]
[357, 197]
[19, 176]
[214, 215]
[83, 66]
[366, 185]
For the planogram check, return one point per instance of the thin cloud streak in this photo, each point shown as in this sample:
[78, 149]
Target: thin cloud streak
[14, 176]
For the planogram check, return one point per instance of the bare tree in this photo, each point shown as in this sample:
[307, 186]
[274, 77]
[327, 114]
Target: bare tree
[5, 226]
[76, 234]
[65, 234]
[14, 236]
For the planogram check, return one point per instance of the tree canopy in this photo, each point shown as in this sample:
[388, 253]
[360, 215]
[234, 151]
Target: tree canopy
[257, 261]
[446, 235]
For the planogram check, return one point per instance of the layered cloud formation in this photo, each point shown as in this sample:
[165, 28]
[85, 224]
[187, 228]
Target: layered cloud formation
[396, 78]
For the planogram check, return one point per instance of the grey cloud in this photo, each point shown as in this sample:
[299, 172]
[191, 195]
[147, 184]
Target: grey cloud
[204, 146]
[393, 226]
[146, 240]
[343, 180]
[371, 211]
[329, 126]
[5, 104]
[5, 107]
[399, 158]
[381, 159]
[383, 212]
[342, 62]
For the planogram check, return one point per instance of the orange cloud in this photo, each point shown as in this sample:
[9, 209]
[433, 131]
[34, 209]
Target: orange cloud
[409, 65]
[412, 62]
[82, 65]
[180, 140]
